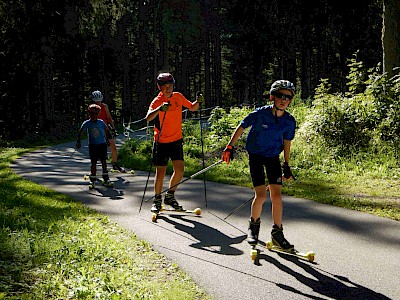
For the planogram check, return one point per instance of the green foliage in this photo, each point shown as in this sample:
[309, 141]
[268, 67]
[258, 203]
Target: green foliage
[223, 123]
[362, 119]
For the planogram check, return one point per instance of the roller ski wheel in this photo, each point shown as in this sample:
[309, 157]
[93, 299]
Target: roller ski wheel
[310, 255]
[91, 185]
[107, 183]
[117, 168]
[165, 210]
[126, 171]
[254, 252]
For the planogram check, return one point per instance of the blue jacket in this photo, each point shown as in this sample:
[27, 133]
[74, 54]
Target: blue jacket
[267, 131]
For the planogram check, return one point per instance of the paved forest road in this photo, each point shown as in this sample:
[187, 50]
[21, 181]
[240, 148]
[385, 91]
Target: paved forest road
[357, 255]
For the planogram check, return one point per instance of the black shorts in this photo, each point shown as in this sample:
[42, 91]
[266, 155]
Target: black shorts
[97, 152]
[162, 152]
[259, 165]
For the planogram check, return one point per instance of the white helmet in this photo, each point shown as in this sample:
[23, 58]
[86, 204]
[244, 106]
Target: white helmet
[97, 96]
[282, 85]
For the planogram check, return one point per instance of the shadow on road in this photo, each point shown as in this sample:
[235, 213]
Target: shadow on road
[209, 239]
[333, 286]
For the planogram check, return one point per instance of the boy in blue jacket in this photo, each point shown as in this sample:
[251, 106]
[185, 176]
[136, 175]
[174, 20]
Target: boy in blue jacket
[272, 130]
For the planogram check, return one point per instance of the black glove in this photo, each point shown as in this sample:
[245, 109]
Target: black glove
[199, 98]
[227, 154]
[113, 131]
[287, 172]
[165, 106]
[78, 144]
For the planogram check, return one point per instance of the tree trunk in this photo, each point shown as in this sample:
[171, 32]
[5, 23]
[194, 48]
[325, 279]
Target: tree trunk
[391, 36]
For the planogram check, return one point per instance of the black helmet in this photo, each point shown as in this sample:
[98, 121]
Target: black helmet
[165, 78]
[282, 85]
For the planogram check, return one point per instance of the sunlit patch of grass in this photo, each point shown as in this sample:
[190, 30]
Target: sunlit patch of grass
[53, 247]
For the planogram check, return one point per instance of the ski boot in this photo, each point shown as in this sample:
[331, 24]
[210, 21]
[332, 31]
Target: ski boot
[253, 231]
[170, 200]
[156, 207]
[106, 180]
[92, 181]
[279, 240]
[118, 168]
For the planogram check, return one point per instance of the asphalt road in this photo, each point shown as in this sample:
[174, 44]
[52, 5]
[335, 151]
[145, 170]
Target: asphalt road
[357, 254]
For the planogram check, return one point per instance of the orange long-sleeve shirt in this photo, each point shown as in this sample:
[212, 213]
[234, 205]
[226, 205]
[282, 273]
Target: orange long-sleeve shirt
[169, 122]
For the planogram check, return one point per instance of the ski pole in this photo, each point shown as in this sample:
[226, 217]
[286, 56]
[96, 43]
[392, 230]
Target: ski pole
[151, 165]
[238, 208]
[198, 96]
[72, 153]
[190, 177]
[242, 205]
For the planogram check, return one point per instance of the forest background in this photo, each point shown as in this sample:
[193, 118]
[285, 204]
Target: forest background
[54, 53]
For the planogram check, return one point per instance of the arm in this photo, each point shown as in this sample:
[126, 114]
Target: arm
[287, 172]
[236, 135]
[153, 113]
[286, 150]
[78, 139]
[108, 116]
[227, 154]
[195, 106]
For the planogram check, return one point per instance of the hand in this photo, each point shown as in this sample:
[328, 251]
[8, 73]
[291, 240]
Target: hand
[165, 106]
[113, 131]
[78, 144]
[108, 142]
[287, 172]
[227, 154]
[199, 98]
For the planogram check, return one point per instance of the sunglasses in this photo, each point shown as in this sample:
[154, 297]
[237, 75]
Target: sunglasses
[283, 96]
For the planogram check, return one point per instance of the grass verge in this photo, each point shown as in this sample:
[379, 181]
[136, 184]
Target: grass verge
[53, 247]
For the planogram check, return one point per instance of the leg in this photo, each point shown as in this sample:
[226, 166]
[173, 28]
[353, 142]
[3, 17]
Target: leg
[176, 177]
[256, 208]
[277, 206]
[93, 170]
[93, 159]
[260, 195]
[113, 150]
[179, 168]
[159, 179]
[277, 212]
[104, 165]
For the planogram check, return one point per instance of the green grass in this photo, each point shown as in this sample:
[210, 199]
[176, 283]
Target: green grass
[53, 247]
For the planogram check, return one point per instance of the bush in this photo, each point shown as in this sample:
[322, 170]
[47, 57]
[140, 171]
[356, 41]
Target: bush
[360, 119]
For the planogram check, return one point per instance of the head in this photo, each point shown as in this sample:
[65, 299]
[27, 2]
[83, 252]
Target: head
[281, 93]
[94, 111]
[97, 96]
[165, 83]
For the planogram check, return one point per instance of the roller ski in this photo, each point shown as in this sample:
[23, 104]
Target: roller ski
[117, 168]
[310, 255]
[280, 245]
[157, 207]
[105, 181]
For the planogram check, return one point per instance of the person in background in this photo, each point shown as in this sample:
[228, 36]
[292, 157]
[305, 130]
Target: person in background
[97, 98]
[96, 130]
